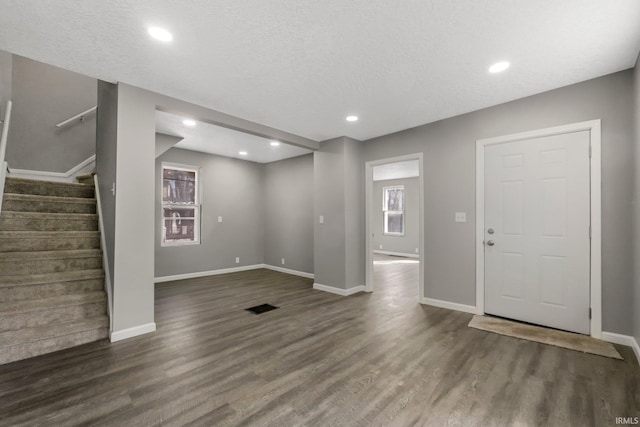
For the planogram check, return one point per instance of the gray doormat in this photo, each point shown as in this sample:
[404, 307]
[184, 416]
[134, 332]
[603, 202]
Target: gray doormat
[544, 335]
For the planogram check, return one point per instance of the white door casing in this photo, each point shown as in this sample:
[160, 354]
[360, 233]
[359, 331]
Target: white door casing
[540, 193]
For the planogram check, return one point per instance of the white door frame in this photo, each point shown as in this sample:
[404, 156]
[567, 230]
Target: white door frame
[369, 212]
[593, 126]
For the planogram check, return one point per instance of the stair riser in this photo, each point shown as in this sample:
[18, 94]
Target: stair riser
[38, 266]
[36, 348]
[17, 337]
[50, 207]
[22, 292]
[47, 224]
[86, 180]
[42, 188]
[35, 244]
[32, 319]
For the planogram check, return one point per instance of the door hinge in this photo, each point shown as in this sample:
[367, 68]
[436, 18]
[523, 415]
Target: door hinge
[590, 313]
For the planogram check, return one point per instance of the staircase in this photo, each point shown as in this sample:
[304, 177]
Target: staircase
[51, 278]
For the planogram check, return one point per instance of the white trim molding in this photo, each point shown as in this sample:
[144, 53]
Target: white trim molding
[105, 254]
[627, 340]
[402, 254]
[207, 273]
[132, 332]
[449, 305]
[339, 291]
[594, 129]
[288, 271]
[81, 168]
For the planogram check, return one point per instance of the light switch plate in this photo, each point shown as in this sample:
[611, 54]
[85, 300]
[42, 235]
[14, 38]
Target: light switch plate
[461, 217]
[321, 219]
[219, 219]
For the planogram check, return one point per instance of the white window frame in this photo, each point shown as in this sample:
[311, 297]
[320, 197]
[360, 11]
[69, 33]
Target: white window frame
[386, 212]
[197, 206]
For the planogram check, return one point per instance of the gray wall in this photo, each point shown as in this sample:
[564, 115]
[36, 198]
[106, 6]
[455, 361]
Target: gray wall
[288, 213]
[6, 66]
[636, 201]
[44, 95]
[165, 142]
[232, 189]
[106, 149]
[339, 197]
[449, 164]
[329, 201]
[408, 243]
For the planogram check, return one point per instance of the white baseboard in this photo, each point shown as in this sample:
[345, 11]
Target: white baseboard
[207, 273]
[289, 271]
[132, 332]
[397, 254]
[338, 291]
[627, 340]
[68, 176]
[449, 305]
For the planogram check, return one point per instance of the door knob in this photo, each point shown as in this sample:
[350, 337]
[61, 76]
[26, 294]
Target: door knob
[490, 243]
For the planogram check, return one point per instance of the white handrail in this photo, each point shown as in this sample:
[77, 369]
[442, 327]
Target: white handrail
[77, 116]
[3, 149]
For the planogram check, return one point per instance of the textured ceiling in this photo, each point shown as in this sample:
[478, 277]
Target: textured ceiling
[301, 66]
[208, 138]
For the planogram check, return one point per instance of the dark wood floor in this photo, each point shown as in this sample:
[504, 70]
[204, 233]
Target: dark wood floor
[320, 359]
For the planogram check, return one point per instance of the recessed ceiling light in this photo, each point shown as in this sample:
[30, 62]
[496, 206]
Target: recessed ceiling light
[499, 67]
[189, 122]
[160, 34]
[352, 118]
[242, 153]
[275, 143]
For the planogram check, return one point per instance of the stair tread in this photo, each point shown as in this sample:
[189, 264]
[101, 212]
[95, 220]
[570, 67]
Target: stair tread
[60, 254]
[28, 234]
[51, 183]
[53, 330]
[29, 305]
[57, 199]
[48, 215]
[43, 278]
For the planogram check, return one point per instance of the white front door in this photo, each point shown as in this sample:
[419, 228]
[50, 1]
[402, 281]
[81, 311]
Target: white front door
[536, 231]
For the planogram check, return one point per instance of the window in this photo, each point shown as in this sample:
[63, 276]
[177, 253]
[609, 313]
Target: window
[393, 210]
[180, 205]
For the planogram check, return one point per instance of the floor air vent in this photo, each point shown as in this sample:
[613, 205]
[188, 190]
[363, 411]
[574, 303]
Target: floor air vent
[262, 308]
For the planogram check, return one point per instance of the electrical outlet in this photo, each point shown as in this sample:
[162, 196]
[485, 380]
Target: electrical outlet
[380, 246]
[237, 260]
[321, 220]
[282, 261]
[416, 250]
[219, 219]
[461, 217]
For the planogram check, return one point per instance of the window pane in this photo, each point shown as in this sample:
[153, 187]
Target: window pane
[394, 223]
[394, 199]
[179, 225]
[178, 186]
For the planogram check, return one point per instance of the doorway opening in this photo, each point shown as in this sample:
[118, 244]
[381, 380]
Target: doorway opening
[394, 226]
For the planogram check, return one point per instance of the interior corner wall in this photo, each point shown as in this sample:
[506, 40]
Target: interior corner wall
[106, 149]
[329, 202]
[44, 95]
[231, 189]
[6, 67]
[409, 243]
[354, 195]
[449, 148]
[288, 213]
[133, 281]
[636, 201]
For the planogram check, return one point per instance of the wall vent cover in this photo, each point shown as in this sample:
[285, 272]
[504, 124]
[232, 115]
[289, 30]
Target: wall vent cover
[262, 308]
